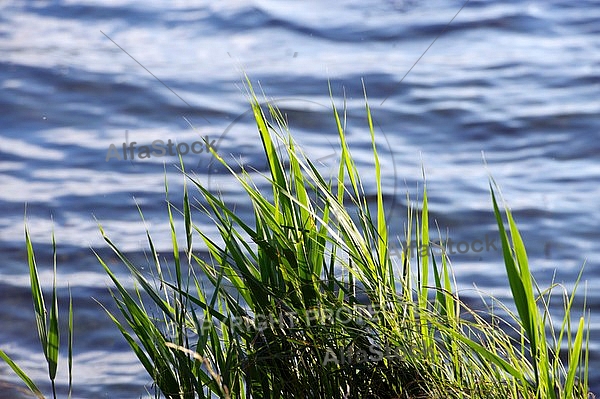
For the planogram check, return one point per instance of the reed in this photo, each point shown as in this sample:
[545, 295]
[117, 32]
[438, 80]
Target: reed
[307, 301]
[47, 326]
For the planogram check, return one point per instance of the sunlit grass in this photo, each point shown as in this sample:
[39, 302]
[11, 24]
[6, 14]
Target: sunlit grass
[47, 325]
[307, 301]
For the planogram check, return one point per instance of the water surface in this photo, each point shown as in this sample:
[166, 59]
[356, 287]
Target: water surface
[515, 83]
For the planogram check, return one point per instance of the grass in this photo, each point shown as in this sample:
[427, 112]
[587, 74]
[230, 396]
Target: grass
[307, 301]
[47, 326]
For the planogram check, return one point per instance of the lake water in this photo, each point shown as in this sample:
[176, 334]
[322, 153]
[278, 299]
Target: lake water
[516, 83]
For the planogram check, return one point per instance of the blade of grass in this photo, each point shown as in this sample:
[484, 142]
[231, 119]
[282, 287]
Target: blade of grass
[574, 356]
[70, 343]
[37, 295]
[22, 375]
[53, 332]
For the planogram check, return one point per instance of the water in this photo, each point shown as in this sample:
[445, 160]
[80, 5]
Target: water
[515, 80]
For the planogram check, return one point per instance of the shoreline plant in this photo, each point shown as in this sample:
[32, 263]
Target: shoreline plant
[306, 301]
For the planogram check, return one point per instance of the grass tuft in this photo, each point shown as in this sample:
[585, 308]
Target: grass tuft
[306, 300]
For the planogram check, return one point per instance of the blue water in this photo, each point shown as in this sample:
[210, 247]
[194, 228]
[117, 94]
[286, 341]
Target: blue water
[510, 89]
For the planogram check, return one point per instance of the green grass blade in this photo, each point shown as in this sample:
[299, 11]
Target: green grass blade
[574, 356]
[137, 350]
[53, 331]
[439, 292]
[187, 215]
[37, 295]
[487, 354]
[275, 165]
[346, 161]
[424, 254]
[525, 278]
[382, 229]
[174, 243]
[70, 343]
[514, 277]
[30, 384]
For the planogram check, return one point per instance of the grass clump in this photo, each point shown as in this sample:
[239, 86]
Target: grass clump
[306, 301]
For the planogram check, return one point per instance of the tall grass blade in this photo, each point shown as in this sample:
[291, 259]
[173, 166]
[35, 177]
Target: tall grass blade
[70, 344]
[514, 276]
[37, 295]
[22, 375]
[53, 332]
[574, 356]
